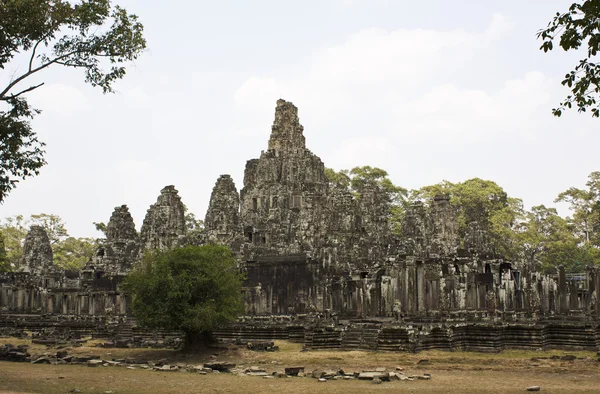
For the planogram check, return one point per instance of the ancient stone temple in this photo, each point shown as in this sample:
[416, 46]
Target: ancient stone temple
[324, 267]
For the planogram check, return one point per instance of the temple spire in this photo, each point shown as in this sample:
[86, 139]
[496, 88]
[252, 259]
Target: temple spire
[286, 132]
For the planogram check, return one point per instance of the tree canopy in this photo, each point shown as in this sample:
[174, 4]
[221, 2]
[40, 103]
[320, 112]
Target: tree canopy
[90, 35]
[578, 26]
[193, 289]
[358, 179]
[4, 262]
[538, 237]
[69, 253]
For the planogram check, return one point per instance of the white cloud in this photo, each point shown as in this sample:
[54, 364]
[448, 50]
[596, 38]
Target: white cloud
[499, 27]
[377, 71]
[374, 151]
[59, 100]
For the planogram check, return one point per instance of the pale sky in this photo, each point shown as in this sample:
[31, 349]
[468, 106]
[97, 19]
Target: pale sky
[427, 90]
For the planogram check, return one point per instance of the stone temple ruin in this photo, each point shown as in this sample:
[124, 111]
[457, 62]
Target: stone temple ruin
[323, 268]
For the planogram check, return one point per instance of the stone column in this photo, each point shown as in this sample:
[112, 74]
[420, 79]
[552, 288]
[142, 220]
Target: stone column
[420, 287]
[562, 290]
[409, 288]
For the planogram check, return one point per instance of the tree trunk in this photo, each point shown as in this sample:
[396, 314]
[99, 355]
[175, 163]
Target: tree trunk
[193, 341]
[197, 340]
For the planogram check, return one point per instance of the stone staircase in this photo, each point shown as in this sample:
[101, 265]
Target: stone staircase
[363, 336]
[323, 338]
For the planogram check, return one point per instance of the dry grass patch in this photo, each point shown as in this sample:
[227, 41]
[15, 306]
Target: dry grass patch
[460, 372]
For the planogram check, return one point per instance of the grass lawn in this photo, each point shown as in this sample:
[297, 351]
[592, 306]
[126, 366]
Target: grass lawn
[459, 372]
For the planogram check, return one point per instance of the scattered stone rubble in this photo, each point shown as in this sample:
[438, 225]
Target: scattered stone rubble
[323, 268]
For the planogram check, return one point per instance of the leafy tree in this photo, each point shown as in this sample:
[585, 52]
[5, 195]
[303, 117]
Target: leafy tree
[193, 289]
[53, 224]
[585, 205]
[547, 240]
[339, 179]
[4, 262]
[358, 179]
[100, 226]
[426, 194]
[90, 35]
[69, 252]
[580, 25]
[13, 229]
[192, 223]
[485, 202]
[73, 253]
[479, 199]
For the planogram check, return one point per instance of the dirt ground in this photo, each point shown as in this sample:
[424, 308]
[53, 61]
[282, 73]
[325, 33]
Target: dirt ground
[452, 372]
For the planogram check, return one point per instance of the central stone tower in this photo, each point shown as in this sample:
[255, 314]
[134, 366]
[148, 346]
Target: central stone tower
[285, 192]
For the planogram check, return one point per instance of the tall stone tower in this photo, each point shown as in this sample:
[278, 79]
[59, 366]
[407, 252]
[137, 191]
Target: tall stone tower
[285, 191]
[37, 251]
[222, 221]
[164, 223]
[122, 244]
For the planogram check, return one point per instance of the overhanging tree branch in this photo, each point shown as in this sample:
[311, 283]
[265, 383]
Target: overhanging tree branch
[29, 89]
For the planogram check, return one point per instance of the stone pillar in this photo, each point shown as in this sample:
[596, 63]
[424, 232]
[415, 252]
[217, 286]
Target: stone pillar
[420, 287]
[409, 288]
[596, 299]
[562, 290]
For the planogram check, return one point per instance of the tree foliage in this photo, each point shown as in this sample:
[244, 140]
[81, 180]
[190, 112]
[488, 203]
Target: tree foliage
[540, 238]
[193, 289]
[481, 201]
[90, 35]
[585, 205]
[74, 253]
[69, 252]
[359, 179]
[577, 27]
[4, 262]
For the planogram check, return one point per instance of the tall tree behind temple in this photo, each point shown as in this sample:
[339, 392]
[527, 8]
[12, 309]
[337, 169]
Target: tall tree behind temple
[69, 252]
[584, 222]
[585, 208]
[484, 202]
[4, 263]
[358, 178]
[547, 240]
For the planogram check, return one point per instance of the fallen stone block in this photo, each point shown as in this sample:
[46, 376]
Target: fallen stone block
[533, 388]
[293, 371]
[220, 366]
[370, 375]
[17, 356]
[94, 363]
[263, 373]
[42, 360]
